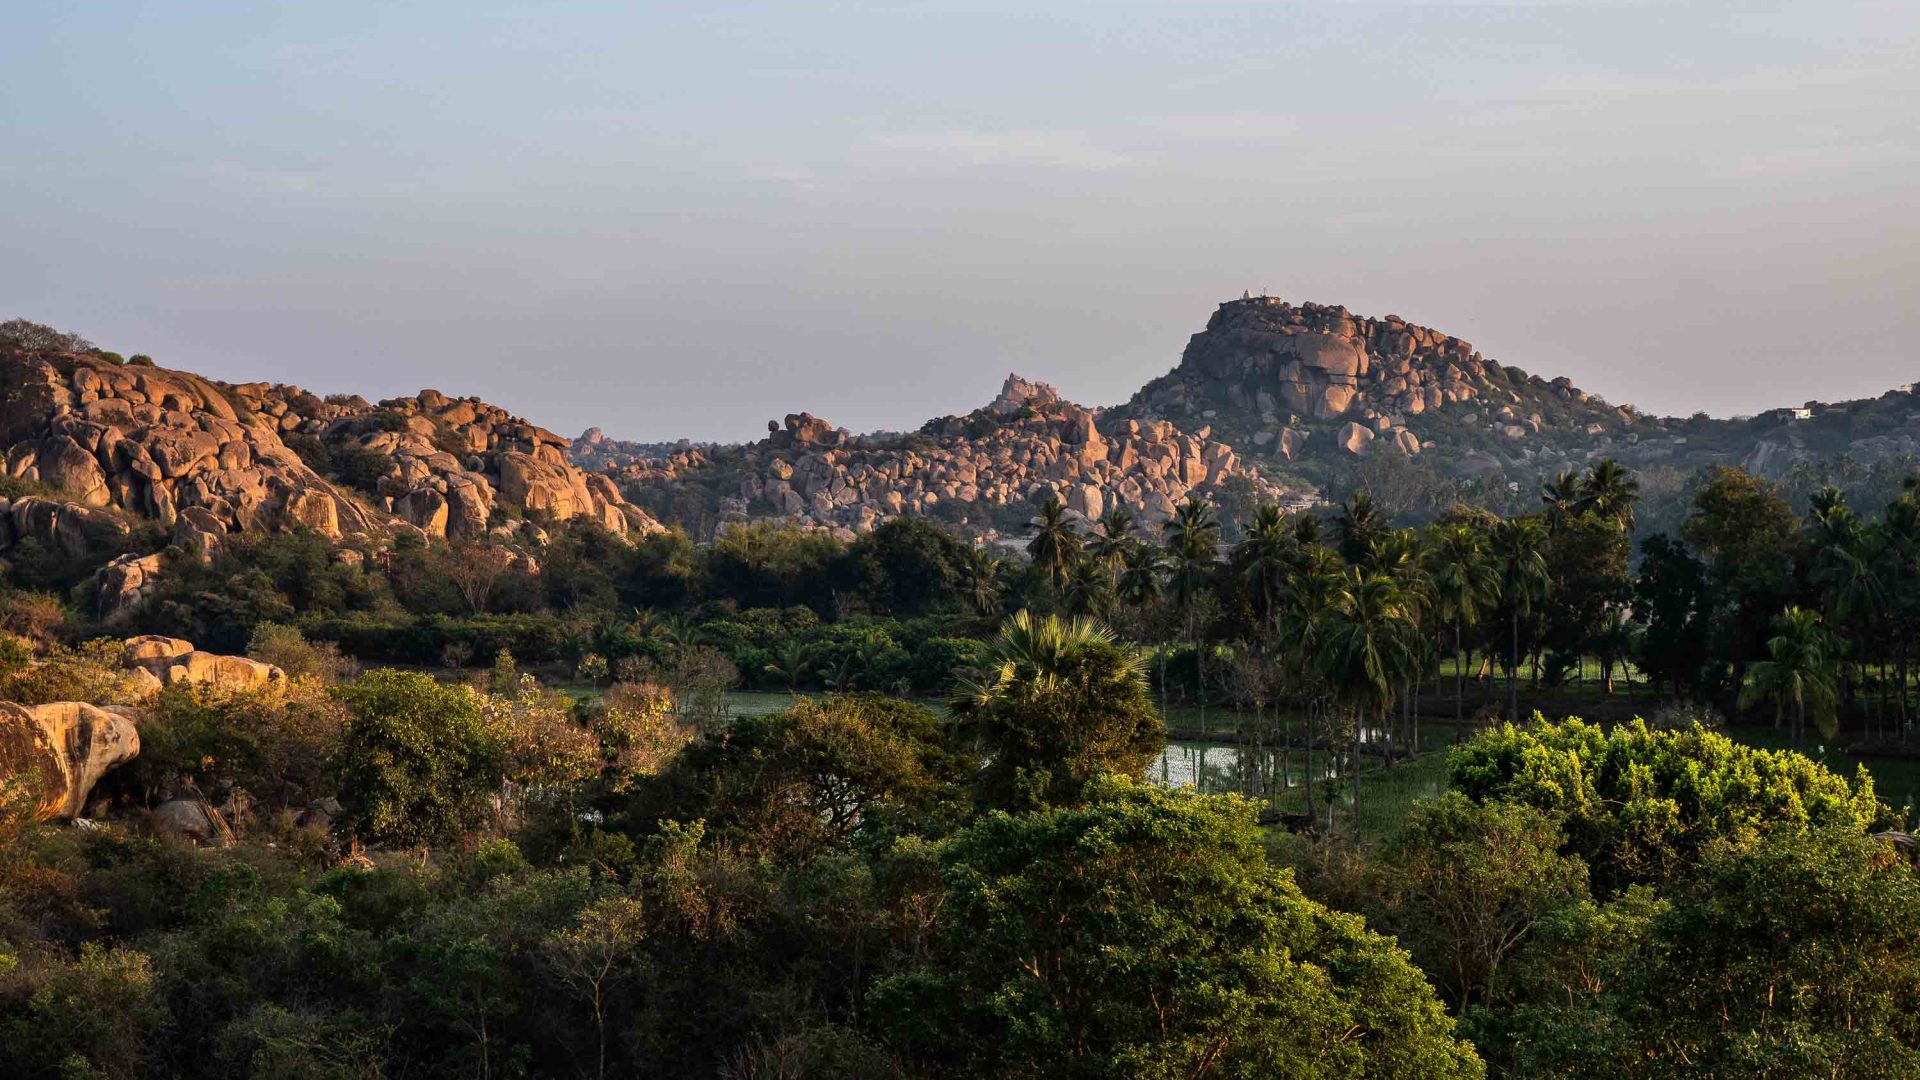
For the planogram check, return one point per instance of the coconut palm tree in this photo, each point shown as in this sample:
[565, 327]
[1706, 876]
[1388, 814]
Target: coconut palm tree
[980, 580]
[1055, 544]
[1519, 558]
[1367, 650]
[1465, 586]
[1110, 540]
[1610, 490]
[1798, 672]
[1192, 540]
[1089, 591]
[790, 663]
[1265, 557]
[1309, 596]
[1357, 526]
[1560, 498]
[1142, 574]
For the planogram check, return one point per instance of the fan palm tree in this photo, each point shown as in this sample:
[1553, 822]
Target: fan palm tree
[1034, 652]
[1519, 558]
[1055, 544]
[1610, 490]
[1465, 585]
[1798, 672]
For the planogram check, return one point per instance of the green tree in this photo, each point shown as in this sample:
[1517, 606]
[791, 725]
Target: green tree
[1058, 703]
[1055, 545]
[1519, 557]
[1795, 956]
[1468, 884]
[416, 761]
[1145, 934]
[1639, 805]
[1465, 586]
[1799, 672]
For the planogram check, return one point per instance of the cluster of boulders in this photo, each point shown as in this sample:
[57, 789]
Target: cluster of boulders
[63, 748]
[1275, 373]
[156, 442]
[452, 462]
[1026, 443]
[115, 444]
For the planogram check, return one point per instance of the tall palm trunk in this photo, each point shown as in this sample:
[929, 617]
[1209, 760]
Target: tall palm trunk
[1513, 673]
[1459, 685]
[1311, 706]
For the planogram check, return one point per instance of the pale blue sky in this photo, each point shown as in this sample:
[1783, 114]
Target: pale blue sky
[683, 219]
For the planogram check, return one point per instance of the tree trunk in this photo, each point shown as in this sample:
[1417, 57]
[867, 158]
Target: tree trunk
[1459, 686]
[1513, 674]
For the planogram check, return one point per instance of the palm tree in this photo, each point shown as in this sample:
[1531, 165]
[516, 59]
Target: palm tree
[1610, 490]
[1799, 671]
[1309, 597]
[1034, 652]
[1265, 556]
[1357, 526]
[980, 580]
[1142, 574]
[1367, 650]
[1192, 541]
[1465, 584]
[791, 663]
[1055, 544]
[1561, 498]
[1110, 540]
[1519, 558]
[1089, 591]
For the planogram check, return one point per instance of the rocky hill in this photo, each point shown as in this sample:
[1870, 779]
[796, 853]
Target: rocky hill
[1313, 383]
[108, 452]
[982, 471]
[1320, 388]
[1270, 400]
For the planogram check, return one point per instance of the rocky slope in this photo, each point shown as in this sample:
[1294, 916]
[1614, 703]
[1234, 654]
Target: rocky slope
[1314, 383]
[115, 450]
[982, 471]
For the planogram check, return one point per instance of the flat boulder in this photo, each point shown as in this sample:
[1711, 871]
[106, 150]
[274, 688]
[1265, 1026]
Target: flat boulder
[63, 749]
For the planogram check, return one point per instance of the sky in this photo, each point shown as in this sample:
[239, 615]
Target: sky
[681, 220]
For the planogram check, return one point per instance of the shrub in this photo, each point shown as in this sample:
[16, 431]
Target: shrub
[417, 761]
[1640, 804]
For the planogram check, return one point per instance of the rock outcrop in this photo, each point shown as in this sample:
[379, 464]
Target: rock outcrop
[154, 442]
[981, 471]
[171, 660]
[454, 467]
[63, 749]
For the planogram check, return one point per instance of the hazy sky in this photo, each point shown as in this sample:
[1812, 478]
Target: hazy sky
[683, 219]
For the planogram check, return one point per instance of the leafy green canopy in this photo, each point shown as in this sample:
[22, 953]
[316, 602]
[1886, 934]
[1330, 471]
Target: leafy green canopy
[1145, 935]
[1639, 804]
[417, 760]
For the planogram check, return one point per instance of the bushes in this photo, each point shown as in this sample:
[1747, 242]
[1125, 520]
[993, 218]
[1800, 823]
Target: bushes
[416, 760]
[1145, 934]
[1639, 804]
